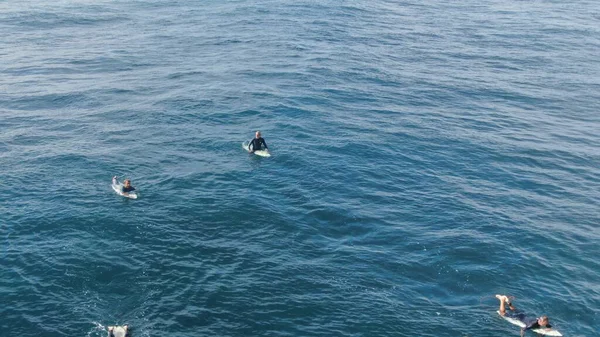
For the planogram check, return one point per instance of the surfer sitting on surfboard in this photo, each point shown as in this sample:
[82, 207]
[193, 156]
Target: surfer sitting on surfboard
[126, 188]
[537, 323]
[257, 143]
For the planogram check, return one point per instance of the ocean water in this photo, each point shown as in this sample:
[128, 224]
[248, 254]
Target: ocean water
[426, 156]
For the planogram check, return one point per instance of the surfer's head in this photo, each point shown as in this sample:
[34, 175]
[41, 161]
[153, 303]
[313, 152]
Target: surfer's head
[257, 134]
[127, 182]
[543, 321]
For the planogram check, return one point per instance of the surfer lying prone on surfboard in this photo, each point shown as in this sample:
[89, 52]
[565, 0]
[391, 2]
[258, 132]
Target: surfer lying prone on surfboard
[530, 323]
[257, 143]
[126, 188]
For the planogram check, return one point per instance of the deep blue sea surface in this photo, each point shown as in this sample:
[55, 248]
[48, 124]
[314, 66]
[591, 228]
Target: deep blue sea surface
[426, 156]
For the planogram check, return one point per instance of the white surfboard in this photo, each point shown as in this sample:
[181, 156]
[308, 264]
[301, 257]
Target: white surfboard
[117, 331]
[550, 332]
[117, 189]
[262, 153]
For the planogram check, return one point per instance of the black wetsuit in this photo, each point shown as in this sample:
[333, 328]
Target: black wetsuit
[256, 144]
[533, 324]
[530, 323]
[127, 189]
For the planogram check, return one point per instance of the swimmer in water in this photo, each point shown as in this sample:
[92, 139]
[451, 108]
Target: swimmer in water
[530, 323]
[126, 188]
[257, 143]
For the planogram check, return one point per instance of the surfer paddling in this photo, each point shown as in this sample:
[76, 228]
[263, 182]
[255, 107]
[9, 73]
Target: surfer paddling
[126, 188]
[257, 143]
[537, 323]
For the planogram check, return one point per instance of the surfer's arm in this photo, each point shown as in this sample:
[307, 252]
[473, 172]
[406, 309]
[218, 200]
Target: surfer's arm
[526, 327]
[265, 144]
[251, 145]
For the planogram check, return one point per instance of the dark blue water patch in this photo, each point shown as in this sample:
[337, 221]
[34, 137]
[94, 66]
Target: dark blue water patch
[187, 104]
[57, 20]
[48, 102]
[33, 70]
[312, 102]
[192, 74]
[119, 116]
[103, 64]
[31, 141]
[290, 112]
[227, 42]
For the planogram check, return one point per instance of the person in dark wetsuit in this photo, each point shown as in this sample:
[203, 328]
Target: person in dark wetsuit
[257, 143]
[530, 323]
[126, 188]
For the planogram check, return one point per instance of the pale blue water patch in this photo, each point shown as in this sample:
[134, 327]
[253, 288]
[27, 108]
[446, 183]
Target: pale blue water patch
[426, 156]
